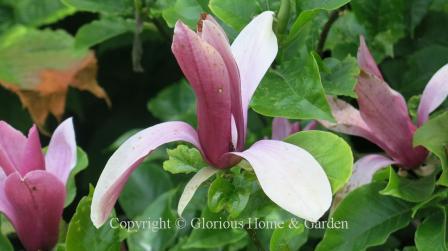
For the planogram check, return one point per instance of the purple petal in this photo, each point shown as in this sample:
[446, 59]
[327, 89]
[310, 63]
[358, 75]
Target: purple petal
[364, 169]
[213, 34]
[348, 120]
[37, 200]
[12, 146]
[254, 50]
[311, 125]
[207, 73]
[385, 112]
[290, 177]
[32, 158]
[434, 94]
[61, 155]
[365, 59]
[282, 128]
[128, 157]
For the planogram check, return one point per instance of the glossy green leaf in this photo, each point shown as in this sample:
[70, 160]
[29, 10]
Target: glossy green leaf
[339, 76]
[433, 135]
[188, 11]
[371, 218]
[202, 237]
[101, 30]
[431, 233]
[183, 159]
[145, 184]
[293, 91]
[322, 4]
[412, 190]
[103, 6]
[288, 238]
[176, 102]
[83, 236]
[81, 164]
[234, 13]
[331, 151]
[159, 235]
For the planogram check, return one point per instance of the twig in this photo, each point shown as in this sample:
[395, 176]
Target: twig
[324, 34]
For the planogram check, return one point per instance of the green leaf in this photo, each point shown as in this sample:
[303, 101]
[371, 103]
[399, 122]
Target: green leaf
[339, 77]
[232, 196]
[235, 13]
[431, 233]
[202, 237]
[288, 238]
[371, 218]
[416, 190]
[188, 11]
[384, 21]
[183, 159]
[5, 244]
[322, 4]
[433, 135]
[293, 91]
[37, 13]
[82, 235]
[101, 30]
[331, 151]
[416, 10]
[81, 163]
[176, 102]
[303, 18]
[159, 235]
[145, 184]
[104, 6]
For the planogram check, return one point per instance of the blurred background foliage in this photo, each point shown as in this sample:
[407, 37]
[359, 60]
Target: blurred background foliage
[133, 64]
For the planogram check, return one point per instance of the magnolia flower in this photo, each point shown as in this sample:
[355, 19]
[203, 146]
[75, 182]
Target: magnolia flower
[32, 186]
[383, 118]
[282, 128]
[224, 79]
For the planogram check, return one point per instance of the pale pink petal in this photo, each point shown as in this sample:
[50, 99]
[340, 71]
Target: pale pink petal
[434, 94]
[5, 206]
[385, 112]
[37, 201]
[365, 59]
[290, 177]
[128, 157]
[61, 155]
[207, 73]
[213, 34]
[282, 128]
[12, 145]
[32, 158]
[193, 185]
[364, 169]
[254, 49]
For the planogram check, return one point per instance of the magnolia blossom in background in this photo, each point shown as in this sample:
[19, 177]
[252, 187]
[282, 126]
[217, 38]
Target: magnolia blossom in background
[224, 79]
[32, 185]
[282, 128]
[383, 118]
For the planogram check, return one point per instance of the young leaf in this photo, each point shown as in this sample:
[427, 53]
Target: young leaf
[183, 159]
[404, 188]
[82, 235]
[331, 151]
[371, 218]
[293, 91]
[339, 76]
